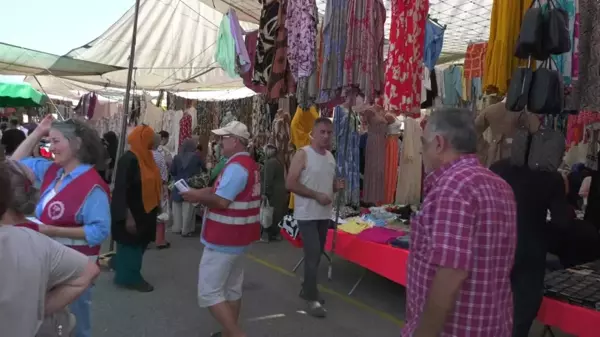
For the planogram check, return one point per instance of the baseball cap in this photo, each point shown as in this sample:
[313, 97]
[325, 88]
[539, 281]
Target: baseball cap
[233, 128]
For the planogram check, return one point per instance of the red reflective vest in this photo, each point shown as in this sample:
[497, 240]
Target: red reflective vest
[239, 224]
[62, 209]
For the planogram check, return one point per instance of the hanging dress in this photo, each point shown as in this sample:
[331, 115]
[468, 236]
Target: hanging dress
[265, 48]
[405, 57]
[347, 158]
[281, 81]
[333, 50]
[589, 55]
[391, 161]
[408, 188]
[373, 189]
[363, 62]
[505, 26]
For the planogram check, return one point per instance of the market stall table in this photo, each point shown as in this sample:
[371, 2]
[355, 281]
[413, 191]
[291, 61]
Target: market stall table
[391, 263]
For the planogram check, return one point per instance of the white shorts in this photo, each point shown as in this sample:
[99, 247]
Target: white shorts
[220, 278]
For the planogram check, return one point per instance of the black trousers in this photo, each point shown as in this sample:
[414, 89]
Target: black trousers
[527, 281]
[314, 236]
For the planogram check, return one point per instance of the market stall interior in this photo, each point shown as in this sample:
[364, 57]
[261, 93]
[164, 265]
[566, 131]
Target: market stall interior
[278, 65]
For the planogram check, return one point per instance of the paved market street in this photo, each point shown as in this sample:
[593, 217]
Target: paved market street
[271, 305]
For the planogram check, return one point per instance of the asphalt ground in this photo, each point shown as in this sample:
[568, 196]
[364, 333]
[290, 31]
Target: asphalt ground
[271, 306]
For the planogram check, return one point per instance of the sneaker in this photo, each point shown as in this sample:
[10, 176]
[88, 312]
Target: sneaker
[321, 300]
[315, 309]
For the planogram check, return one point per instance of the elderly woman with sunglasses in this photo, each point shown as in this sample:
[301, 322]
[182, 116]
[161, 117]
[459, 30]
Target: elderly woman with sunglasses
[74, 200]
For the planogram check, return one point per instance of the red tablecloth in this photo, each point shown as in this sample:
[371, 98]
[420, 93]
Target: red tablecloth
[384, 260]
[390, 262]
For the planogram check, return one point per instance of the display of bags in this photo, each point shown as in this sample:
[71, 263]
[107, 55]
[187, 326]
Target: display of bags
[518, 89]
[547, 91]
[544, 32]
[531, 35]
[542, 150]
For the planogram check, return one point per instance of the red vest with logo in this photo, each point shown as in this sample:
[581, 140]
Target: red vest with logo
[239, 224]
[62, 209]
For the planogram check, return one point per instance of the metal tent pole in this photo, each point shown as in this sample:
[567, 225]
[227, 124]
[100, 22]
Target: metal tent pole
[126, 105]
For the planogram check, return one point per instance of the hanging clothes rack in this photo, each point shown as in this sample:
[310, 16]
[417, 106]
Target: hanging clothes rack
[436, 22]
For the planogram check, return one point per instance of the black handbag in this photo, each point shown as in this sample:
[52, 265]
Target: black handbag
[547, 91]
[531, 35]
[557, 37]
[519, 150]
[517, 95]
[546, 150]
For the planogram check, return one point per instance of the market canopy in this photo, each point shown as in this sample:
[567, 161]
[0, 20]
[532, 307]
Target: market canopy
[176, 44]
[23, 61]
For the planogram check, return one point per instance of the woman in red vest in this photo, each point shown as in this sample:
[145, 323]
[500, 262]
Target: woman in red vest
[134, 208]
[74, 200]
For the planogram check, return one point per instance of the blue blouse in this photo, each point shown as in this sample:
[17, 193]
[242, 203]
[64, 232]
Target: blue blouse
[95, 212]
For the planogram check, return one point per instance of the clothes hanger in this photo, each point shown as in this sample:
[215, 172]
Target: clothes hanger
[436, 22]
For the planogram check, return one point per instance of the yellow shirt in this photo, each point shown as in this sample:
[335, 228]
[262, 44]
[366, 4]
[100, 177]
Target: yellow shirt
[300, 130]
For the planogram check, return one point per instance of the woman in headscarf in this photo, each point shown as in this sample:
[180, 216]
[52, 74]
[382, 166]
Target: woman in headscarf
[134, 208]
[40, 277]
[185, 165]
[74, 200]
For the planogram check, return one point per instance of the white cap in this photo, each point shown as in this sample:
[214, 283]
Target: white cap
[233, 128]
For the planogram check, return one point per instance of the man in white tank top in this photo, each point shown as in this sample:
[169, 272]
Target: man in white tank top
[312, 179]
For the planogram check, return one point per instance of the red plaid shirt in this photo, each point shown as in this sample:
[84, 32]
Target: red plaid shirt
[468, 221]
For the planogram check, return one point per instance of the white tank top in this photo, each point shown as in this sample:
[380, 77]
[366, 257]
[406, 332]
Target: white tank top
[318, 175]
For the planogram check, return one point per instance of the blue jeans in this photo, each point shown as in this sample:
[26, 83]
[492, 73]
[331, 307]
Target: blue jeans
[82, 309]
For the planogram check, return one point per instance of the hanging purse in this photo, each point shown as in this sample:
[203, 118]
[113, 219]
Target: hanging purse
[266, 211]
[531, 35]
[547, 91]
[557, 37]
[517, 95]
[519, 150]
[546, 150]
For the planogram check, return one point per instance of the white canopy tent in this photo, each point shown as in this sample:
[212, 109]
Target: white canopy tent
[176, 43]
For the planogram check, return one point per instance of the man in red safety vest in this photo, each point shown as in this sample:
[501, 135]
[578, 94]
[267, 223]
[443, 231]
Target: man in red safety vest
[231, 224]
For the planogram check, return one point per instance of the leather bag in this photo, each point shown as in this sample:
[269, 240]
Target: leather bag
[519, 150]
[546, 150]
[531, 35]
[557, 37]
[518, 89]
[546, 95]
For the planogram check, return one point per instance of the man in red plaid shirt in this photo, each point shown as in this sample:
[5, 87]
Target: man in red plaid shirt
[463, 240]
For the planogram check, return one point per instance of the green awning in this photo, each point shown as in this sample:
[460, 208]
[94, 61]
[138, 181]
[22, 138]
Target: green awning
[22, 61]
[17, 95]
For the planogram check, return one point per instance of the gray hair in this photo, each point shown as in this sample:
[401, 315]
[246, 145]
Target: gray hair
[24, 194]
[457, 126]
[270, 151]
[84, 140]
